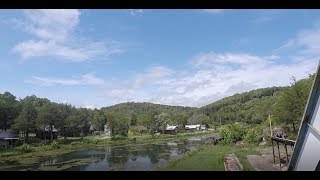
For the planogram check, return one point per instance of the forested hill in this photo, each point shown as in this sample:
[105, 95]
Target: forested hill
[250, 107]
[145, 107]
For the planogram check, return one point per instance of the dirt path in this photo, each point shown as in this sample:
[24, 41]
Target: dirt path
[264, 162]
[260, 164]
[232, 163]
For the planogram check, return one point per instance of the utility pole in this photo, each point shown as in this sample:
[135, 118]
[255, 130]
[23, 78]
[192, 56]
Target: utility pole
[270, 125]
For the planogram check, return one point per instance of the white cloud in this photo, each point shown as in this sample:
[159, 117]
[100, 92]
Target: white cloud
[215, 59]
[135, 12]
[151, 75]
[53, 24]
[206, 85]
[213, 11]
[54, 36]
[86, 79]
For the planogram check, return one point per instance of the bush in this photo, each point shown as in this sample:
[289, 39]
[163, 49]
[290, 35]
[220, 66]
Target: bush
[76, 143]
[55, 145]
[118, 137]
[233, 132]
[253, 136]
[25, 148]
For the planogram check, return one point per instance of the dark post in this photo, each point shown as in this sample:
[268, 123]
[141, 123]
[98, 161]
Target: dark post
[274, 160]
[285, 147]
[279, 156]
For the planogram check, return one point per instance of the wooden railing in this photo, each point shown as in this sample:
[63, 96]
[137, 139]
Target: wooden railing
[285, 142]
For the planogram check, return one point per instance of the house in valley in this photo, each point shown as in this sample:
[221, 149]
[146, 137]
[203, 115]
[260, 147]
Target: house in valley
[168, 129]
[93, 130]
[196, 127]
[45, 133]
[8, 138]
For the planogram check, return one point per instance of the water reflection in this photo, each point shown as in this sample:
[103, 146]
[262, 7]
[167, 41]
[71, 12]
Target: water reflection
[128, 158]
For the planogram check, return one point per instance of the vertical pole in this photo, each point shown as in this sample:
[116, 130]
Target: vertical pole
[285, 146]
[271, 134]
[279, 155]
[274, 160]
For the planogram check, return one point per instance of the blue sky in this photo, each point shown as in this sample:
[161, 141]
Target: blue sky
[97, 58]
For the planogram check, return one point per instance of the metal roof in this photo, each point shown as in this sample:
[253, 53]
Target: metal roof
[8, 135]
[169, 128]
[192, 126]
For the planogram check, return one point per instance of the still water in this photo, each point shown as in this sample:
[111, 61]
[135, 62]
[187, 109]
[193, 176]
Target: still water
[143, 157]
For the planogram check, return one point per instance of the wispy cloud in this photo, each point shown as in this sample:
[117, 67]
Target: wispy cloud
[135, 12]
[264, 16]
[86, 79]
[263, 19]
[213, 11]
[54, 35]
[218, 59]
[305, 44]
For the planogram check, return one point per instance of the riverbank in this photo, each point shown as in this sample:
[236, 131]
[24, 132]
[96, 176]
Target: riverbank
[211, 158]
[31, 155]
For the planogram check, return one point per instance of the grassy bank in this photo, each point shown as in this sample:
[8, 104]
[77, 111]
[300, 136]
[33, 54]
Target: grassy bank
[29, 155]
[210, 158]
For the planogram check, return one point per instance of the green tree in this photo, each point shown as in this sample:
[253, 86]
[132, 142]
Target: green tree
[181, 118]
[26, 120]
[65, 111]
[289, 109]
[133, 119]
[161, 121]
[99, 120]
[9, 110]
[48, 115]
[117, 123]
[111, 121]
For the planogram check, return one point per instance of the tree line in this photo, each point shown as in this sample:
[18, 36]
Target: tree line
[31, 114]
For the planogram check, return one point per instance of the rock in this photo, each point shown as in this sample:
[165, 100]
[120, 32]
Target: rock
[239, 144]
[262, 143]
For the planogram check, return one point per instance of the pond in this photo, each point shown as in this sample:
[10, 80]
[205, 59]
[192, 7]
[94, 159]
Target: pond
[139, 157]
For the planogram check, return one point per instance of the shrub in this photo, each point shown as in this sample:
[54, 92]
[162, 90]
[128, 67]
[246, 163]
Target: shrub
[252, 136]
[76, 143]
[94, 141]
[233, 132]
[55, 145]
[118, 137]
[25, 148]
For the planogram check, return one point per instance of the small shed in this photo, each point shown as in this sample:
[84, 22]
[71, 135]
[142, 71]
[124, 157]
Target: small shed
[169, 129]
[8, 138]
